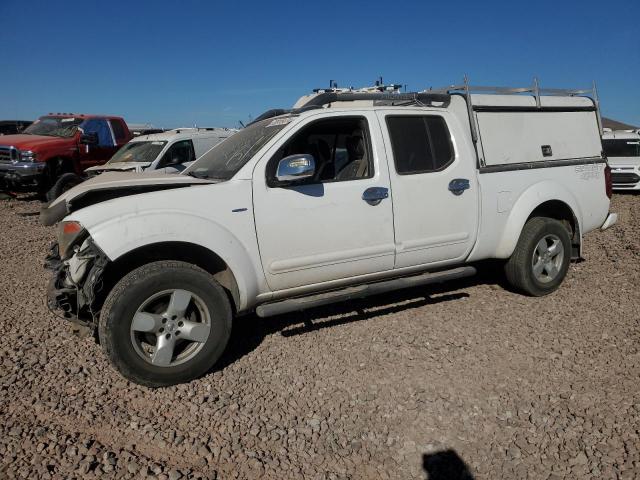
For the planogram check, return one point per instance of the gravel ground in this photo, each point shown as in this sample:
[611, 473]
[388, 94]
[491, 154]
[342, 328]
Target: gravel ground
[465, 380]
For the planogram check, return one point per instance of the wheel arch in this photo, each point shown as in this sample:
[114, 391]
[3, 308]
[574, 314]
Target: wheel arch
[544, 199]
[179, 251]
[58, 165]
[562, 212]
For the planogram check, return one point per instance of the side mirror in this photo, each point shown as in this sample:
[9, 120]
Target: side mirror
[296, 167]
[89, 138]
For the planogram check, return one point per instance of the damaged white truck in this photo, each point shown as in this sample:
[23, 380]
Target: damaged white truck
[348, 194]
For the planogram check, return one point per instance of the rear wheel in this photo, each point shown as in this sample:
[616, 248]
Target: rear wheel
[164, 323]
[64, 182]
[541, 258]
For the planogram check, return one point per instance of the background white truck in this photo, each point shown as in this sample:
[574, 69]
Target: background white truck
[622, 148]
[349, 194]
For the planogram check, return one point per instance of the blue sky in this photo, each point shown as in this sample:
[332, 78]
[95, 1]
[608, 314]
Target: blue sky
[213, 63]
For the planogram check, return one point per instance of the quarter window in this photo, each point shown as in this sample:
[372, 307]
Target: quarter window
[420, 144]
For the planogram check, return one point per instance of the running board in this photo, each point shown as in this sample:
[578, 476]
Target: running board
[361, 291]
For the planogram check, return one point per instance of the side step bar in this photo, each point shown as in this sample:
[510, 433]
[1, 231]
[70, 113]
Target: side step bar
[361, 291]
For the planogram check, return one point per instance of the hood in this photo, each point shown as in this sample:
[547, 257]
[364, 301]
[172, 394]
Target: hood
[113, 185]
[118, 166]
[31, 142]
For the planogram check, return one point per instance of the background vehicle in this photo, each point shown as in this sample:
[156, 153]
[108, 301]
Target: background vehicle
[50, 154]
[171, 151]
[622, 148]
[350, 194]
[138, 129]
[11, 127]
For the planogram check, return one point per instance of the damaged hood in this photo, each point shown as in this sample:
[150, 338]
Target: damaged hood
[111, 185]
[118, 167]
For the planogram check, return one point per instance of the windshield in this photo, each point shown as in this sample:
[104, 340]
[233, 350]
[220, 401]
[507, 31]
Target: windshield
[225, 159]
[54, 126]
[138, 152]
[624, 147]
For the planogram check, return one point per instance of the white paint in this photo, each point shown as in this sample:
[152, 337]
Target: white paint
[280, 242]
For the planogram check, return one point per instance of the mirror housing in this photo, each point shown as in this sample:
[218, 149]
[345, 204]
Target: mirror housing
[296, 167]
[89, 138]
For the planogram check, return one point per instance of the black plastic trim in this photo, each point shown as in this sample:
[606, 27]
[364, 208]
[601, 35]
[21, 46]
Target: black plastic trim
[494, 108]
[541, 164]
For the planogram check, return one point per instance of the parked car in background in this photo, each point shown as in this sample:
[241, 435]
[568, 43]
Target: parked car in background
[50, 154]
[622, 148]
[138, 129]
[11, 127]
[171, 151]
[350, 194]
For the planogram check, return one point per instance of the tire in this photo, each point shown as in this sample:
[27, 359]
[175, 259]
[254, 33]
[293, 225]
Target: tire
[64, 182]
[529, 270]
[138, 316]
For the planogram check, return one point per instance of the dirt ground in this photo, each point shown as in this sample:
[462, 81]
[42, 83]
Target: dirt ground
[464, 380]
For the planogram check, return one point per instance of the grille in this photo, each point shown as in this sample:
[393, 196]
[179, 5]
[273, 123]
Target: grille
[624, 178]
[7, 154]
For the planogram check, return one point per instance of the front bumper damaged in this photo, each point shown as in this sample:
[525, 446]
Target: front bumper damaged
[75, 284]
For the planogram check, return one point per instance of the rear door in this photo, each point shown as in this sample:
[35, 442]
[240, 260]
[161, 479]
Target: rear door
[434, 187]
[323, 230]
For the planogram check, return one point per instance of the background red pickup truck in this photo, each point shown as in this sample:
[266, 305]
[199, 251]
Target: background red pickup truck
[51, 154]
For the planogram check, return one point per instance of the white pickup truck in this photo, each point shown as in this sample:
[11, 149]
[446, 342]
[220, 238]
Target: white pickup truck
[346, 195]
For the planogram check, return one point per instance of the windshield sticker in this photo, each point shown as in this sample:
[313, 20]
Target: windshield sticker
[156, 143]
[68, 119]
[280, 121]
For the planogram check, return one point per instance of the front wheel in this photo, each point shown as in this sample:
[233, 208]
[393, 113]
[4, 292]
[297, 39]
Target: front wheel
[165, 323]
[541, 258]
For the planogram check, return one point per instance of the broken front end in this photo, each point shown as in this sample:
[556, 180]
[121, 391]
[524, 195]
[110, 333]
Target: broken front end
[78, 267]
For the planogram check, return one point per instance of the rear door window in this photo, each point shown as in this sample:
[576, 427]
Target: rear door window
[420, 144]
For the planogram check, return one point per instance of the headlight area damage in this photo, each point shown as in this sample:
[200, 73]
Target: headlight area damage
[77, 279]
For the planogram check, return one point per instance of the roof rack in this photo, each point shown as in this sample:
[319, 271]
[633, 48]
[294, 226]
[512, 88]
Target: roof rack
[534, 89]
[393, 98]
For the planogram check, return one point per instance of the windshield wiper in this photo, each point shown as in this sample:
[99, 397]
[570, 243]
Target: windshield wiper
[198, 174]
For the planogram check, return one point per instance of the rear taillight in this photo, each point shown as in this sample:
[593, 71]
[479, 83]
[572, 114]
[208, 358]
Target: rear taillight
[607, 181]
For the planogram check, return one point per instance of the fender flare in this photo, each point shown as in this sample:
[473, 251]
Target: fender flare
[523, 207]
[124, 234]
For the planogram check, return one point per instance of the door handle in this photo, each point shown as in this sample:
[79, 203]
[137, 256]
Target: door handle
[374, 195]
[457, 186]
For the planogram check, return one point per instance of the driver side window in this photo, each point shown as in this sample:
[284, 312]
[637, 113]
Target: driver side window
[178, 153]
[340, 146]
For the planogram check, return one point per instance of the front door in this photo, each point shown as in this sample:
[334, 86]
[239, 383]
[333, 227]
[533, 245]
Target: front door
[91, 155]
[323, 229]
[435, 193]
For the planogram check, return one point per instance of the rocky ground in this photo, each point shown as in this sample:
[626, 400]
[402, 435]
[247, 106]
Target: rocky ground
[466, 380]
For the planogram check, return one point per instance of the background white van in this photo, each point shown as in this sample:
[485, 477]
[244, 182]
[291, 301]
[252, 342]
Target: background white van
[171, 151]
[622, 148]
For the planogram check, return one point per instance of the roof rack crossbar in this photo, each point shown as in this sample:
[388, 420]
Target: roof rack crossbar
[504, 90]
[421, 97]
